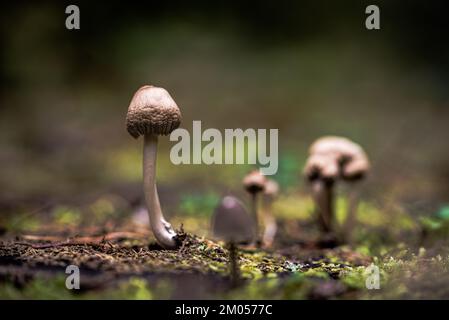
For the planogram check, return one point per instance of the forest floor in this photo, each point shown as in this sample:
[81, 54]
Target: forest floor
[127, 265]
[107, 237]
[198, 269]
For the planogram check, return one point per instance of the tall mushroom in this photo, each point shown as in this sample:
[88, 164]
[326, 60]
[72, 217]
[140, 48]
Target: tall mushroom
[270, 227]
[330, 159]
[153, 112]
[254, 183]
[231, 223]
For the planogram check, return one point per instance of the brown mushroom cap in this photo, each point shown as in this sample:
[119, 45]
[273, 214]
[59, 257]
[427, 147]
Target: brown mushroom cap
[231, 221]
[334, 157]
[254, 182]
[152, 111]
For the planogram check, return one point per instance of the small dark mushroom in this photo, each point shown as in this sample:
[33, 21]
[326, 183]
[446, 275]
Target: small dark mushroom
[232, 223]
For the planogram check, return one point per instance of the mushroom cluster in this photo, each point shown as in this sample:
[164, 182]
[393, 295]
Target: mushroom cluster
[331, 159]
[153, 112]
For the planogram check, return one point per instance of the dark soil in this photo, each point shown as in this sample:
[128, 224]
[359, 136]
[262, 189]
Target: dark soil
[199, 268]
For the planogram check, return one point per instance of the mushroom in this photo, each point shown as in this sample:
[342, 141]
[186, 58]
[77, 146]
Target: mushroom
[330, 159]
[254, 183]
[153, 112]
[270, 193]
[232, 223]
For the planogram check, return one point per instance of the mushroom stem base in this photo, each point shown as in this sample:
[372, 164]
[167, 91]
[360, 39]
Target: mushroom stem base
[162, 230]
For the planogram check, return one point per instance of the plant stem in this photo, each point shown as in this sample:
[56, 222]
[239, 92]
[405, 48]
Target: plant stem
[162, 230]
[269, 224]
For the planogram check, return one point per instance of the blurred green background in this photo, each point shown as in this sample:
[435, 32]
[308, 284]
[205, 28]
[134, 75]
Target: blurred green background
[308, 68]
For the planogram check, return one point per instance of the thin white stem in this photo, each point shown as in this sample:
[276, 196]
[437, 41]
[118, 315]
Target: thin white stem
[255, 214]
[269, 223]
[162, 230]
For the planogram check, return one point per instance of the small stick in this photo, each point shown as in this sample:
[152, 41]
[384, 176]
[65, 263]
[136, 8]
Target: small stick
[87, 240]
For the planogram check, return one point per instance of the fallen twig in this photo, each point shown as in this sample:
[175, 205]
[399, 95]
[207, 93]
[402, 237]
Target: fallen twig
[84, 240]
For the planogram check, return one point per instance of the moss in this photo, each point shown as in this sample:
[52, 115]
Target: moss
[22, 222]
[135, 288]
[103, 208]
[198, 205]
[39, 288]
[293, 206]
[66, 216]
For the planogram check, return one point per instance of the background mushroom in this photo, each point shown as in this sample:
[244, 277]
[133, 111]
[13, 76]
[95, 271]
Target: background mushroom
[332, 158]
[254, 183]
[270, 227]
[231, 223]
[153, 112]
